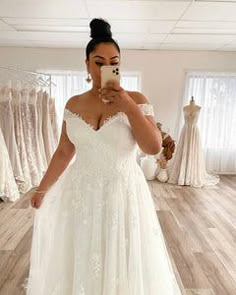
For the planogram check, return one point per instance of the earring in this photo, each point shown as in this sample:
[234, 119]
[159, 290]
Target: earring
[88, 79]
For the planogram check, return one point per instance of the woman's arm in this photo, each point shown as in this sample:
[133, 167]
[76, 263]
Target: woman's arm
[144, 128]
[60, 160]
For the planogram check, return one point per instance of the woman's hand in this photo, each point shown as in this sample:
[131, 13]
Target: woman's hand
[114, 94]
[37, 199]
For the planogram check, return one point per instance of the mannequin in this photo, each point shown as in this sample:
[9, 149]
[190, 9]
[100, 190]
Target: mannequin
[188, 167]
[192, 106]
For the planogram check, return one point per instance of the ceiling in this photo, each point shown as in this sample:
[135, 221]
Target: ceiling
[159, 25]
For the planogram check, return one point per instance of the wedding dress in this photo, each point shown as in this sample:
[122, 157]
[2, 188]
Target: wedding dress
[29, 138]
[34, 122]
[40, 126]
[54, 121]
[8, 187]
[7, 126]
[188, 167]
[18, 113]
[96, 231]
[48, 136]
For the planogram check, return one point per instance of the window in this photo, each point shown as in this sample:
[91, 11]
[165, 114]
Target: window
[72, 83]
[216, 94]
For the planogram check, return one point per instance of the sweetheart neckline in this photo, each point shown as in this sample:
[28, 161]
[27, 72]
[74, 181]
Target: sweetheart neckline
[106, 122]
[90, 126]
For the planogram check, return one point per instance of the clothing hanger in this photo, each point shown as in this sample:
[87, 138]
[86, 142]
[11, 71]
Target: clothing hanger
[36, 78]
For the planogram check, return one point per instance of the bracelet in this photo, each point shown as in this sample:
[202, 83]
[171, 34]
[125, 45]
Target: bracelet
[36, 191]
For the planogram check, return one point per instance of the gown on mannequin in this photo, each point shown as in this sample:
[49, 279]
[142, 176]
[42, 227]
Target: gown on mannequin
[188, 167]
[96, 231]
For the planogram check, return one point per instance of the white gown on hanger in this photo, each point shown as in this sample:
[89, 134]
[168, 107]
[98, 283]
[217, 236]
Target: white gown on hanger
[34, 122]
[54, 120]
[97, 232]
[188, 167]
[29, 139]
[39, 107]
[48, 136]
[8, 187]
[20, 139]
[7, 126]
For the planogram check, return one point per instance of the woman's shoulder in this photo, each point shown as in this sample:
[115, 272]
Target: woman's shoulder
[144, 103]
[138, 97]
[73, 101]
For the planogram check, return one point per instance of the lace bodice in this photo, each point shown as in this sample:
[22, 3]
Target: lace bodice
[191, 115]
[110, 148]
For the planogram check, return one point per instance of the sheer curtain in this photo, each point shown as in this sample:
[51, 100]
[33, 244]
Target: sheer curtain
[216, 94]
[72, 83]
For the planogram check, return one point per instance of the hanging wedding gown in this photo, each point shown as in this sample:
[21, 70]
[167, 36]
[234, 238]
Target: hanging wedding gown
[54, 121]
[8, 187]
[29, 138]
[39, 107]
[188, 167]
[18, 112]
[97, 232]
[48, 136]
[34, 122]
[7, 126]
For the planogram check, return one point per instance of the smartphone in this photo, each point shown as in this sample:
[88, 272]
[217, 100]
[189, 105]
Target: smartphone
[109, 73]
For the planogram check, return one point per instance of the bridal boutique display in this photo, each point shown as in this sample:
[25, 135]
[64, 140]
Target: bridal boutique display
[7, 126]
[188, 167]
[47, 128]
[29, 124]
[96, 231]
[8, 187]
[21, 139]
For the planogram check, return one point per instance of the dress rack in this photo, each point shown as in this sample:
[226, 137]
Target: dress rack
[41, 79]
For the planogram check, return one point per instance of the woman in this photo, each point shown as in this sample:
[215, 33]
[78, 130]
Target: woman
[96, 232]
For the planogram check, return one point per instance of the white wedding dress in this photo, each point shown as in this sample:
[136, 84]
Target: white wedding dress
[48, 134]
[188, 167]
[7, 127]
[8, 188]
[96, 231]
[19, 119]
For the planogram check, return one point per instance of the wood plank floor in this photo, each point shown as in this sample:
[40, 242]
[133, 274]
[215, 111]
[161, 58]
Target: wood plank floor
[199, 226]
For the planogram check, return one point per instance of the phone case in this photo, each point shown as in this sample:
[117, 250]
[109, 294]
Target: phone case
[109, 73]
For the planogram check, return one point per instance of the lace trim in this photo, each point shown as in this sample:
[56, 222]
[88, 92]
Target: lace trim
[69, 114]
[147, 108]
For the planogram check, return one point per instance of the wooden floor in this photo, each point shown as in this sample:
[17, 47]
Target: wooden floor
[199, 226]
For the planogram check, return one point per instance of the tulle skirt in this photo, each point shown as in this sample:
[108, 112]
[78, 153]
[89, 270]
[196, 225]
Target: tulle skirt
[99, 237]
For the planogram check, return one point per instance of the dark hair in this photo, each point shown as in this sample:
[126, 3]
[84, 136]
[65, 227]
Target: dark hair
[100, 33]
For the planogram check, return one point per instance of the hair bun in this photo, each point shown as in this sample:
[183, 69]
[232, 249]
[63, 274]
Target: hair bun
[100, 28]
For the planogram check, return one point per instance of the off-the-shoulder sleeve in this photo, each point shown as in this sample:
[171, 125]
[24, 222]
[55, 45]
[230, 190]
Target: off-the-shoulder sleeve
[147, 108]
[66, 115]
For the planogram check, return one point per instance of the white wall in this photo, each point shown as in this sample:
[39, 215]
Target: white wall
[163, 72]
